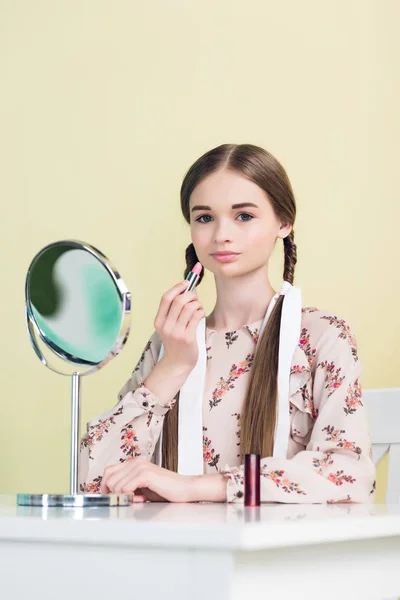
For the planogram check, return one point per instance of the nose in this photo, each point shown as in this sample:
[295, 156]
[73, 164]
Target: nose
[222, 233]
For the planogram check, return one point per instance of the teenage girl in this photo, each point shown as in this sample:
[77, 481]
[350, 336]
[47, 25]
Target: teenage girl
[277, 380]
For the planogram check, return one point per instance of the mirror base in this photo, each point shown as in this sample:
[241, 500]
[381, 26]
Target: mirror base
[74, 500]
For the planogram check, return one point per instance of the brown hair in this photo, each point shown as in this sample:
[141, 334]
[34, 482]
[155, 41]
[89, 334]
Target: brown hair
[258, 416]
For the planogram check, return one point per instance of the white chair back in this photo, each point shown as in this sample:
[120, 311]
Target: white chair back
[383, 408]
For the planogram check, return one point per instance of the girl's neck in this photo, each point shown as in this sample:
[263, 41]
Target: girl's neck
[240, 302]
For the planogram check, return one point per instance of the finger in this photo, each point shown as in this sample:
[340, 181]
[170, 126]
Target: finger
[108, 472]
[130, 487]
[139, 499]
[167, 299]
[134, 483]
[186, 315]
[115, 484]
[194, 321]
[176, 308]
[153, 497]
[114, 481]
[134, 468]
[128, 483]
[104, 489]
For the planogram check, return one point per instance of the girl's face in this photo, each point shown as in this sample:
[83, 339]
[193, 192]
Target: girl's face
[230, 213]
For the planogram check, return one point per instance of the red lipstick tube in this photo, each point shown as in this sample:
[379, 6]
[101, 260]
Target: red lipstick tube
[252, 480]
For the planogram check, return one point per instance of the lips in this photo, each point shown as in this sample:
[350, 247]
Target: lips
[225, 257]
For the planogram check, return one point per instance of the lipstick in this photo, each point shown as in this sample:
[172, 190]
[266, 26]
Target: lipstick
[193, 277]
[252, 480]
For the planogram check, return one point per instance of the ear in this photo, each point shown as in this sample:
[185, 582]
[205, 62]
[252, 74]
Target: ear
[284, 230]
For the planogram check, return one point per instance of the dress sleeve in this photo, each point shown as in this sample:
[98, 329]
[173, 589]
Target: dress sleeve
[336, 464]
[130, 429]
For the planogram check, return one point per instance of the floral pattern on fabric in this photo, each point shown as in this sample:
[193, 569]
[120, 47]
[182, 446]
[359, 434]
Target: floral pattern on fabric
[298, 369]
[147, 348]
[93, 487]
[325, 463]
[342, 501]
[335, 435]
[224, 385]
[306, 346]
[150, 416]
[345, 333]
[230, 337]
[254, 333]
[308, 309]
[279, 479]
[322, 463]
[237, 475]
[129, 445]
[339, 478]
[237, 416]
[353, 399]
[97, 431]
[309, 402]
[209, 455]
[332, 376]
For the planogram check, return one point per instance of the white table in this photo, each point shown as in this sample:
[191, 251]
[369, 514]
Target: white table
[200, 552]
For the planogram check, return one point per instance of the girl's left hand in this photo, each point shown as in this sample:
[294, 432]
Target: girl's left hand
[147, 481]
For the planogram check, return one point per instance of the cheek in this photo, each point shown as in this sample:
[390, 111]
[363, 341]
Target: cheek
[202, 241]
[199, 237]
[262, 240]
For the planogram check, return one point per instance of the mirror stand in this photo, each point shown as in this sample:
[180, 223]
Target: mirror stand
[39, 274]
[75, 438]
[74, 499]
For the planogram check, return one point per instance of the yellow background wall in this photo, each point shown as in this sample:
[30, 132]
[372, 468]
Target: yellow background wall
[103, 107]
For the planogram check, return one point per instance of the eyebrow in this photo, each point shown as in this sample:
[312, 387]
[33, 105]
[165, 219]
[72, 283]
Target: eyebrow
[234, 206]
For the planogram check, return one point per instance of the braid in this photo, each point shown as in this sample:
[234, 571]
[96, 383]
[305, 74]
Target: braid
[290, 257]
[258, 414]
[191, 260]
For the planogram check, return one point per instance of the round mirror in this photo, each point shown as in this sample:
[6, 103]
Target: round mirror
[77, 304]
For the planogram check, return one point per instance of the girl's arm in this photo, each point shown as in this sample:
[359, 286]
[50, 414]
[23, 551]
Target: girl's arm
[132, 428]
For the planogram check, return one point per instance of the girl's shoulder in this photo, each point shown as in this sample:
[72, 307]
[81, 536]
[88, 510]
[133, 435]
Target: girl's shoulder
[321, 329]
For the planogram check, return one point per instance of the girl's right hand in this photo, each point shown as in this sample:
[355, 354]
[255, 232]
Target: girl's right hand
[176, 323]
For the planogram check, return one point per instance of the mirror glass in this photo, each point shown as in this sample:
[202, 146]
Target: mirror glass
[76, 301]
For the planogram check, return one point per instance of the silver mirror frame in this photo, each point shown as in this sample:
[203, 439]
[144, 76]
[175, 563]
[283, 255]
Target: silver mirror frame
[34, 330]
[75, 498]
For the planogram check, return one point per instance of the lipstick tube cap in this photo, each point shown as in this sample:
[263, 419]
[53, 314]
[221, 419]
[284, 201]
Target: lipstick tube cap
[252, 480]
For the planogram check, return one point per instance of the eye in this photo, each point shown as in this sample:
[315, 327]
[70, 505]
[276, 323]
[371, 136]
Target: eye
[246, 215]
[202, 216]
[208, 218]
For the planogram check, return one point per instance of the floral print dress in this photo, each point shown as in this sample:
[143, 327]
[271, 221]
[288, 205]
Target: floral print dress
[329, 452]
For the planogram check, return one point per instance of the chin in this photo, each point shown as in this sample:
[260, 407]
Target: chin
[230, 270]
